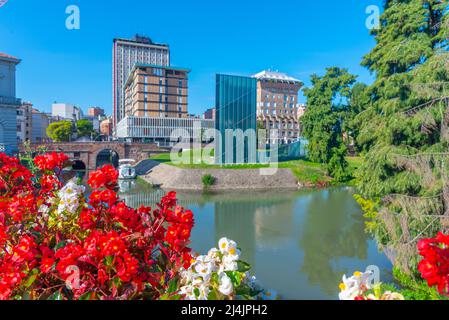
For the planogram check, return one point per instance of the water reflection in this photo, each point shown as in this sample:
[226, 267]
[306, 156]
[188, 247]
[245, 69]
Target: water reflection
[299, 243]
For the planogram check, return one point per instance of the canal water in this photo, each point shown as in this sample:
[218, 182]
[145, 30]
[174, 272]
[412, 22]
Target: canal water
[300, 243]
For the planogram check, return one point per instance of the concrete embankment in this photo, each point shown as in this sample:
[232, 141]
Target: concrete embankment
[174, 178]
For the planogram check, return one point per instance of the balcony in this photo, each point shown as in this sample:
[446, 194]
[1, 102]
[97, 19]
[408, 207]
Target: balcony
[10, 101]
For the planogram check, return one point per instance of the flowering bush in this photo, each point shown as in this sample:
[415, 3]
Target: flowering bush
[434, 267]
[360, 287]
[221, 275]
[57, 244]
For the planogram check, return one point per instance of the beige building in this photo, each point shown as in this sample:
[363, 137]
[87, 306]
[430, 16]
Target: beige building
[277, 105]
[157, 92]
[95, 112]
[24, 122]
[106, 127]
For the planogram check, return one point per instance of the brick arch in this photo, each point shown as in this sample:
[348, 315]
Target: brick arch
[88, 152]
[119, 149]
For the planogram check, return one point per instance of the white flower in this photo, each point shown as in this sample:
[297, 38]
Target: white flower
[229, 264]
[204, 269]
[354, 286]
[187, 290]
[213, 255]
[43, 208]
[204, 292]
[69, 197]
[226, 286]
[225, 245]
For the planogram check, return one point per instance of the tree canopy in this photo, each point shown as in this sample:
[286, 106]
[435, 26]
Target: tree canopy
[403, 127]
[84, 128]
[60, 131]
[328, 103]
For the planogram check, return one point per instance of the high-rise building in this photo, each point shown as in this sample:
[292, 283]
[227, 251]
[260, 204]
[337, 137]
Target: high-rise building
[277, 105]
[236, 99]
[24, 122]
[126, 54]
[8, 104]
[39, 128]
[66, 111]
[155, 91]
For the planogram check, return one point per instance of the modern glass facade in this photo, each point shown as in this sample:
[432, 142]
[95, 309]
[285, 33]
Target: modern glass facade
[236, 103]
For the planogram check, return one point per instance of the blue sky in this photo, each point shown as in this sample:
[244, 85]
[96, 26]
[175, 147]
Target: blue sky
[298, 37]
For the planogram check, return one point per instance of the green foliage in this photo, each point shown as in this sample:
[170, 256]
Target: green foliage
[60, 131]
[84, 128]
[208, 180]
[411, 69]
[328, 103]
[415, 289]
[338, 166]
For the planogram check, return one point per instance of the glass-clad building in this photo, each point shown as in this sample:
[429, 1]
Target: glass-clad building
[236, 103]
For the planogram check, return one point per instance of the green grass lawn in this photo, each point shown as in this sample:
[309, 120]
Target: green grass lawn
[305, 171]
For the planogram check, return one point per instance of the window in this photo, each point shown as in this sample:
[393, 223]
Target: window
[180, 83]
[157, 72]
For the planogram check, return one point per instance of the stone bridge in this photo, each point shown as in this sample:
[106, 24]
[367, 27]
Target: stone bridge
[86, 153]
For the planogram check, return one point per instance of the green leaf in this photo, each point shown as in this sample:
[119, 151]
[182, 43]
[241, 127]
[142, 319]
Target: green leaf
[60, 245]
[55, 296]
[109, 260]
[243, 290]
[213, 295]
[197, 292]
[87, 296]
[30, 281]
[243, 266]
[173, 285]
[236, 277]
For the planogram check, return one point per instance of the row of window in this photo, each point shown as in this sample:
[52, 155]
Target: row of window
[279, 97]
[291, 126]
[276, 105]
[274, 112]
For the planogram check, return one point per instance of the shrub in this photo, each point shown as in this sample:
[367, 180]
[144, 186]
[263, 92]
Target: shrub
[208, 180]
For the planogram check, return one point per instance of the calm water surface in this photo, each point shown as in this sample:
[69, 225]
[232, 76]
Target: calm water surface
[299, 243]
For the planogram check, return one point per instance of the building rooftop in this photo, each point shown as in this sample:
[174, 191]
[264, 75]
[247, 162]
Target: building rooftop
[4, 56]
[141, 40]
[145, 65]
[275, 75]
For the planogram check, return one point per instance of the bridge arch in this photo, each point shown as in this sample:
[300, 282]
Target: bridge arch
[107, 156]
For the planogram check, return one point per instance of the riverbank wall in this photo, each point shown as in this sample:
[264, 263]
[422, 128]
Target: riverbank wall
[174, 178]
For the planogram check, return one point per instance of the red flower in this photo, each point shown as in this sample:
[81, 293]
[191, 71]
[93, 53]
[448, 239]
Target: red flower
[434, 267]
[120, 252]
[105, 177]
[49, 183]
[51, 161]
[107, 196]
